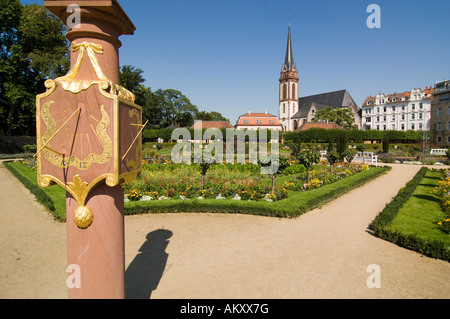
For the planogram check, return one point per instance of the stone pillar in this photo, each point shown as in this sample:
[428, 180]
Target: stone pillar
[98, 250]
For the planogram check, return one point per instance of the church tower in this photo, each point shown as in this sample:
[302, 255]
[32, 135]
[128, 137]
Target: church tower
[288, 100]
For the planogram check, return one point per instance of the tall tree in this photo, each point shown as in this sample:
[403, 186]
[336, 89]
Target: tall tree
[210, 116]
[177, 108]
[132, 79]
[32, 48]
[341, 116]
[45, 40]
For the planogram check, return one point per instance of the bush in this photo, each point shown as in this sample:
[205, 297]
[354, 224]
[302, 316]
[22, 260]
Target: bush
[386, 158]
[29, 148]
[294, 169]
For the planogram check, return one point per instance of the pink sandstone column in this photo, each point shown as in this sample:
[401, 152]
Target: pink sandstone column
[98, 250]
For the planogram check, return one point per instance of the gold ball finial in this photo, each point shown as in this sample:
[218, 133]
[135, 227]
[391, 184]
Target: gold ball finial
[83, 217]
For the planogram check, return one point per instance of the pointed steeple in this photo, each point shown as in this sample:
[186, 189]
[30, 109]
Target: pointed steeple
[289, 64]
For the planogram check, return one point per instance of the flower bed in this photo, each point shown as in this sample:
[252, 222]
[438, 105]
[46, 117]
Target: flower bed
[443, 192]
[238, 181]
[297, 202]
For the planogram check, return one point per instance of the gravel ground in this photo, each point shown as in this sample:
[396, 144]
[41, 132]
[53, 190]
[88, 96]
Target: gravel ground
[326, 253]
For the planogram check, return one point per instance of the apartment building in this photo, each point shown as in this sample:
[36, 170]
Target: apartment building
[405, 111]
[440, 113]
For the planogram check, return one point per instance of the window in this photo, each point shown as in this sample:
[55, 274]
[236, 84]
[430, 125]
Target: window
[421, 106]
[403, 127]
[393, 117]
[368, 119]
[393, 108]
[413, 116]
[393, 127]
[420, 116]
[384, 118]
[439, 126]
[412, 126]
[284, 91]
[384, 127]
[378, 127]
[444, 97]
[378, 119]
[448, 139]
[293, 91]
[271, 121]
[439, 139]
[258, 122]
[246, 121]
[384, 109]
[448, 126]
[284, 107]
[420, 126]
[413, 107]
[403, 117]
[403, 107]
[439, 111]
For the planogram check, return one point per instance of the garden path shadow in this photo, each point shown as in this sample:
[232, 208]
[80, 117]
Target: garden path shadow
[145, 271]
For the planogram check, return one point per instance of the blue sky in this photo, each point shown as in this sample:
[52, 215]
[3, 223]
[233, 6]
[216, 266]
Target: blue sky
[226, 56]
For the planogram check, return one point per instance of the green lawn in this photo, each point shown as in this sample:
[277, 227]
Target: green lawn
[421, 213]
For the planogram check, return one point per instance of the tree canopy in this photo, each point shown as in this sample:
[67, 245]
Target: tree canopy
[341, 116]
[33, 47]
[163, 107]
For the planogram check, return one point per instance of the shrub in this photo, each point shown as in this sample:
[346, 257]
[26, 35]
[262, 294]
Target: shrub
[314, 183]
[29, 148]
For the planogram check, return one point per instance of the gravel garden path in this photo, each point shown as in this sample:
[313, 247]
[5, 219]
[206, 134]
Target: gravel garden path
[326, 253]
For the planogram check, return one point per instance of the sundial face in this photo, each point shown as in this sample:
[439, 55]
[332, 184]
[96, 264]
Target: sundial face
[76, 135]
[88, 131]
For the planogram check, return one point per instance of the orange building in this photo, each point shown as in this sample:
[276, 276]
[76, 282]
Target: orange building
[255, 121]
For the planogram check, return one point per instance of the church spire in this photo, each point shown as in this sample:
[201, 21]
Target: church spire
[289, 64]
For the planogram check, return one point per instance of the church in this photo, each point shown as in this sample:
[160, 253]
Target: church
[294, 111]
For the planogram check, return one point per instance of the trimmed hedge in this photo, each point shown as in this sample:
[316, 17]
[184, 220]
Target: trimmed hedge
[324, 135]
[296, 204]
[380, 225]
[166, 133]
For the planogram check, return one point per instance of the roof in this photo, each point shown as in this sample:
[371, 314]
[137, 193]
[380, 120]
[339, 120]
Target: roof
[328, 126]
[289, 64]
[258, 119]
[336, 99]
[214, 124]
[257, 115]
[397, 97]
